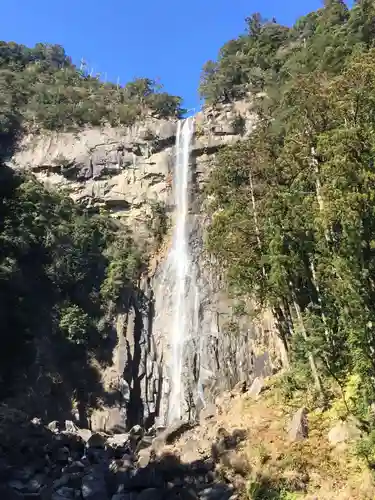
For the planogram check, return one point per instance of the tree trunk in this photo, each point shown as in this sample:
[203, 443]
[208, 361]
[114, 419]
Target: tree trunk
[314, 370]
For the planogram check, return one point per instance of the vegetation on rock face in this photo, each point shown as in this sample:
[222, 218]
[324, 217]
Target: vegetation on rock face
[40, 88]
[62, 272]
[294, 205]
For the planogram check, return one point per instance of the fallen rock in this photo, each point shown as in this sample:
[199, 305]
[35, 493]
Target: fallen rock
[110, 420]
[96, 440]
[54, 426]
[208, 412]
[62, 455]
[256, 388]
[170, 434]
[136, 432]
[222, 402]
[64, 493]
[240, 387]
[298, 428]
[118, 441]
[145, 442]
[151, 494]
[144, 457]
[236, 461]
[343, 432]
[84, 434]
[70, 426]
[93, 485]
[190, 451]
[145, 478]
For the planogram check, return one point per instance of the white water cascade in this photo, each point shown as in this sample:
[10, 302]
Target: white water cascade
[178, 299]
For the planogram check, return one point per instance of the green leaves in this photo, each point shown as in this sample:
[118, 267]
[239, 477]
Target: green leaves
[74, 324]
[61, 270]
[41, 89]
[293, 206]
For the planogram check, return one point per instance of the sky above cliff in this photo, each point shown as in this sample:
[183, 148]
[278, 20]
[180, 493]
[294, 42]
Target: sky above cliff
[166, 40]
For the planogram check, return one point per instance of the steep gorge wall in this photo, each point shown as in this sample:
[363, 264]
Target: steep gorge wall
[128, 172]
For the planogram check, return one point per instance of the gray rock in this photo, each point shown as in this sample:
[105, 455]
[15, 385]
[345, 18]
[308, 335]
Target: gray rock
[151, 494]
[96, 440]
[144, 457]
[136, 432]
[208, 412]
[125, 496]
[298, 428]
[63, 454]
[236, 461]
[99, 167]
[147, 477]
[216, 492]
[256, 388]
[145, 442]
[117, 440]
[70, 426]
[109, 420]
[93, 486]
[64, 493]
[54, 426]
[36, 421]
[84, 434]
[170, 434]
[343, 432]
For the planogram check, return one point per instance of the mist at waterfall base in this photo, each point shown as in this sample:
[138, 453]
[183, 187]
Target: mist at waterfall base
[179, 294]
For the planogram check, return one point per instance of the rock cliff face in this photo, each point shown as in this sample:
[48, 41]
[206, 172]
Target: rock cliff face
[129, 172]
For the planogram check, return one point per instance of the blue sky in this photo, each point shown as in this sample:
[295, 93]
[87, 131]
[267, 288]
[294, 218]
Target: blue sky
[164, 39]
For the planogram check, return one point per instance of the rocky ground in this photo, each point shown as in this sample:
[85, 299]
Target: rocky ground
[57, 462]
[249, 445]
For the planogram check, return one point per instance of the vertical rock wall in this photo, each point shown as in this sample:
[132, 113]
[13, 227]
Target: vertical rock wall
[128, 171]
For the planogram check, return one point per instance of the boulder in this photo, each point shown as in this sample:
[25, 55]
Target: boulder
[62, 455]
[136, 432]
[118, 441]
[343, 432]
[64, 493]
[110, 420]
[170, 434]
[256, 388]
[208, 412]
[84, 434]
[54, 426]
[144, 457]
[70, 426]
[190, 451]
[96, 440]
[93, 485]
[236, 461]
[151, 494]
[298, 428]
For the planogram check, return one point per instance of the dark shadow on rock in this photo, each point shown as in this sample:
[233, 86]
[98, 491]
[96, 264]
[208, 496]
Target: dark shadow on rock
[226, 442]
[34, 459]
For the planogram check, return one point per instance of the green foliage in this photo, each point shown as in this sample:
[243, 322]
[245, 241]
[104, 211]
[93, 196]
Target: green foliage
[366, 449]
[158, 221]
[74, 324]
[40, 88]
[263, 488]
[271, 54]
[60, 269]
[293, 212]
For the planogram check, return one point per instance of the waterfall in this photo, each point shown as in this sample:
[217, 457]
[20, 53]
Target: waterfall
[183, 284]
[177, 298]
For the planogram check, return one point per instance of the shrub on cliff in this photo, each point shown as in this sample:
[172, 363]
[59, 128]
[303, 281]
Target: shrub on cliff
[55, 263]
[40, 88]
